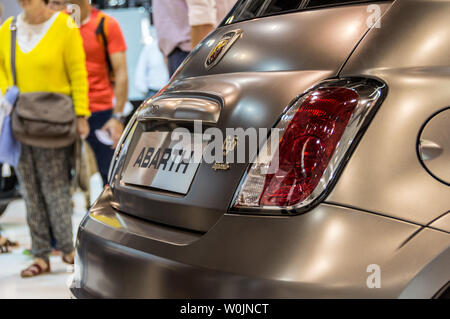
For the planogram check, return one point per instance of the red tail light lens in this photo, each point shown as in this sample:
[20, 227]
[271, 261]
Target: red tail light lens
[315, 135]
[308, 144]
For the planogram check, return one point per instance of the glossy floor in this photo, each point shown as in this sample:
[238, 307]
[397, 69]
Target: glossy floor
[14, 226]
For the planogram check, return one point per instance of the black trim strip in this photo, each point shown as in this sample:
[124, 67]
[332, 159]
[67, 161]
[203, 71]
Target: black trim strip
[301, 8]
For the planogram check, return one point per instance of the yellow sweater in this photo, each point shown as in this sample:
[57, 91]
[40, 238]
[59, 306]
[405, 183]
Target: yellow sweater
[57, 64]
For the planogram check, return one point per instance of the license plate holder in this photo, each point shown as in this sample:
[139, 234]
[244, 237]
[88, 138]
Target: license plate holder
[162, 163]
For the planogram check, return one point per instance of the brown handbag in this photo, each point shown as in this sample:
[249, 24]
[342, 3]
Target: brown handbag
[44, 120]
[41, 119]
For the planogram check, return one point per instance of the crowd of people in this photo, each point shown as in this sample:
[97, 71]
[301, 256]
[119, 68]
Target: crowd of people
[88, 64]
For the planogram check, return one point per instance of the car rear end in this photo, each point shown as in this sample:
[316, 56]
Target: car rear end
[307, 213]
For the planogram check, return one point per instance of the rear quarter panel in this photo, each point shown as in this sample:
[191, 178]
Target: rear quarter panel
[411, 53]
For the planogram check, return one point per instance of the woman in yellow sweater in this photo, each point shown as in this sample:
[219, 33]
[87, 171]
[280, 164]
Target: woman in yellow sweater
[49, 58]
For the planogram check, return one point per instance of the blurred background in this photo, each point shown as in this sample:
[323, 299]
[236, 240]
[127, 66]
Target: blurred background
[134, 17]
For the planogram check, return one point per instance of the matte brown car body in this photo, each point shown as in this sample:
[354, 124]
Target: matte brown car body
[389, 206]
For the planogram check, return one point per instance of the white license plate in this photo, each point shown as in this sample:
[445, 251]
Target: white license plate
[161, 163]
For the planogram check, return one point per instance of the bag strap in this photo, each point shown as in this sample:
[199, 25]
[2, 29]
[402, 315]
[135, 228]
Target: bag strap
[13, 28]
[101, 31]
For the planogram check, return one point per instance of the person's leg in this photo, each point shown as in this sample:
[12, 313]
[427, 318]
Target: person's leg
[37, 217]
[53, 167]
[103, 153]
[175, 58]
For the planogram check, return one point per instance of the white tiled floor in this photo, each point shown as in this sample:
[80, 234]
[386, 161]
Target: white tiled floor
[54, 285]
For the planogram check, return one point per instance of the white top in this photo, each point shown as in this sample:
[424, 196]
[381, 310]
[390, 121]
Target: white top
[202, 12]
[208, 11]
[151, 71]
[29, 35]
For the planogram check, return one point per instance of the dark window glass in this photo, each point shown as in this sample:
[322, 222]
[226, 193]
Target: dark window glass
[250, 9]
[278, 6]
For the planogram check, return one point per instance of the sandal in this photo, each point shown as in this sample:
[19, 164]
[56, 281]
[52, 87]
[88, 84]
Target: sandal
[4, 247]
[35, 269]
[69, 258]
[12, 243]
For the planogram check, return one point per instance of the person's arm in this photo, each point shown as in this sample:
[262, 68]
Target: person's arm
[117, 53]
[3, 73]
[119, 65]
[75, 62]
[114, 127]
[202, 19]
[199, 32]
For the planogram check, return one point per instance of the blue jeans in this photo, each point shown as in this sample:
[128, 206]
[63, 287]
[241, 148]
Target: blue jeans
[103, 153]
[176, 57]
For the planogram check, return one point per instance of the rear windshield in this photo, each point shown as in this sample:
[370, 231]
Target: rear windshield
[250, 9]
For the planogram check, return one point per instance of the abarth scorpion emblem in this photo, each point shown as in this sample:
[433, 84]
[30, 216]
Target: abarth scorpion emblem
[229, 144]
[154, 108]
[221, 47]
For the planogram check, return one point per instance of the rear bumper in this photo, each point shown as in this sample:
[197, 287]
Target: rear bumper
[322, 254]
[128, 273]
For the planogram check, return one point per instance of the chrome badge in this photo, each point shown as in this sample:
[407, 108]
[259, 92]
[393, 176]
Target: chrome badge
[222, 46]
[229, 144]
[154, 108]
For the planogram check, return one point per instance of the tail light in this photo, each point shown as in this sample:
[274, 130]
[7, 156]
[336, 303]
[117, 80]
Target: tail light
[316, 135]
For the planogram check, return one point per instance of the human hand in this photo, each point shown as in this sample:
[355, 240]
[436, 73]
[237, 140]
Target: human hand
[83, 127]
[115, 129]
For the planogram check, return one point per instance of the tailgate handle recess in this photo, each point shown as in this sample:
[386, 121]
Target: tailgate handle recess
[180, 109]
